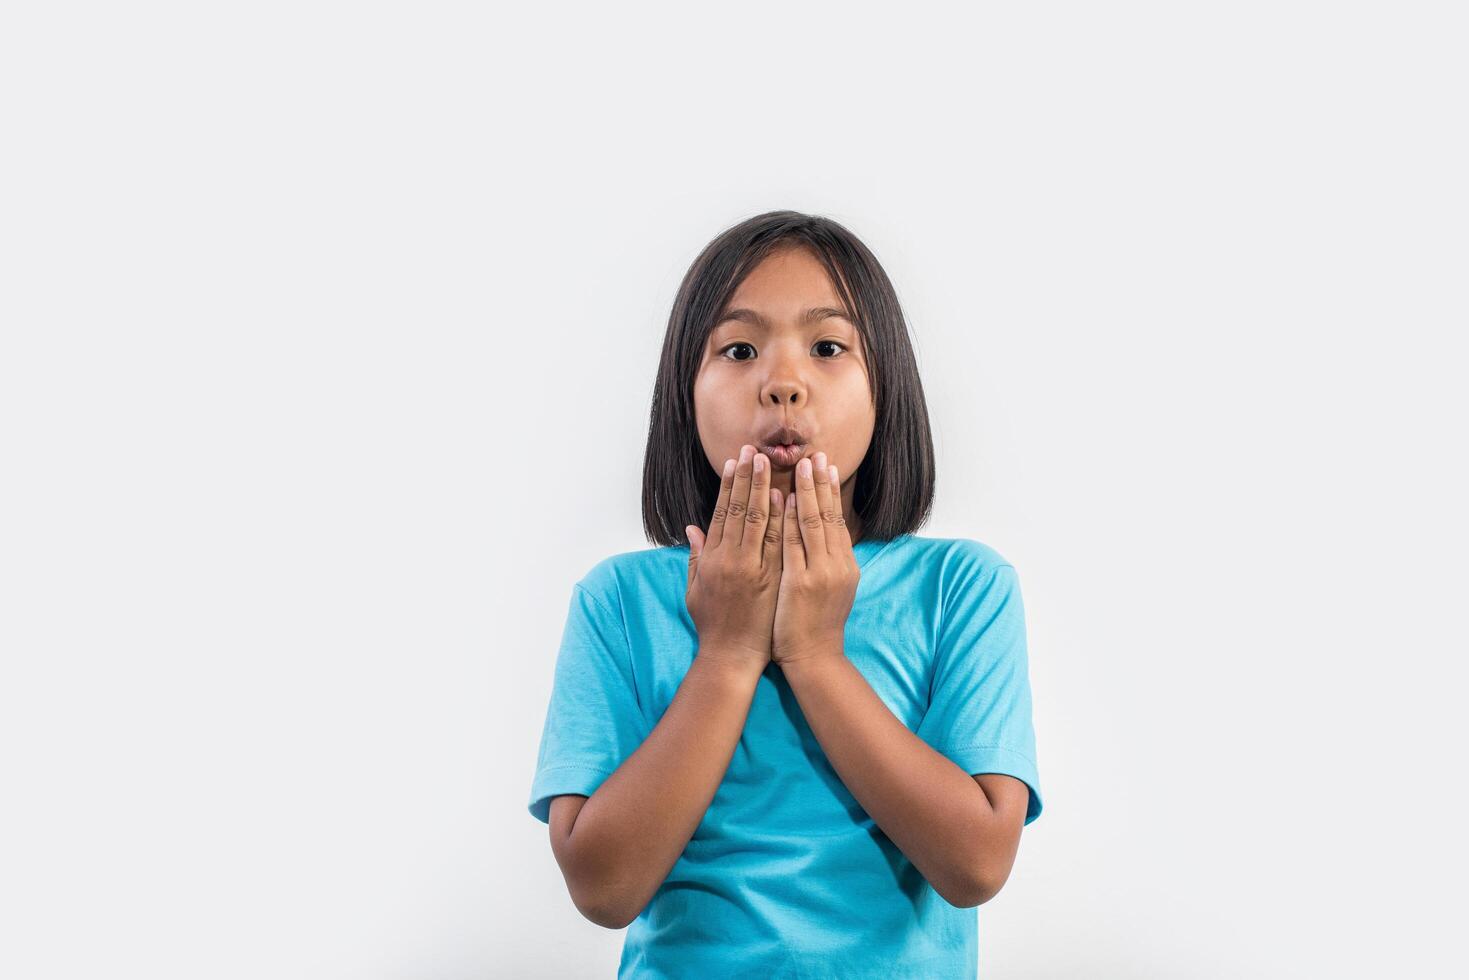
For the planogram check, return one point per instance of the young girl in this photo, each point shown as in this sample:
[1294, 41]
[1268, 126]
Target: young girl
[794, 739]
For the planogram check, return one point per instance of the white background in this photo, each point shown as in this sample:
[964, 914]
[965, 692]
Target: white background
[329, 333]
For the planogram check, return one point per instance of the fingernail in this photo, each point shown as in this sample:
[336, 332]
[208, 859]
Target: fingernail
[759, 463]
[729, 466]
[804, 466]
[745, 453]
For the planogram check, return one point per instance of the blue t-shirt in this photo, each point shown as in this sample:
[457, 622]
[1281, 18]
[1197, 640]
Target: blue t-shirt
[787, 876]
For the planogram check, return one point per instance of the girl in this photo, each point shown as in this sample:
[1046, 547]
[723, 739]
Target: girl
[794, 739]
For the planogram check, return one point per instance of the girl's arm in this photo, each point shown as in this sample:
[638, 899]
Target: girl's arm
[960, 839]
[617, 846]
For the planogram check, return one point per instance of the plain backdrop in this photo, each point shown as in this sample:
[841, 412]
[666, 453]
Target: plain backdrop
[329, 334]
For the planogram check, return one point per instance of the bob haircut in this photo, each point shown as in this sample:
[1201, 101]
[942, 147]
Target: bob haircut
[894, 490]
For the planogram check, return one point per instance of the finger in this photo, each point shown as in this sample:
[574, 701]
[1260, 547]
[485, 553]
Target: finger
[792, 549]
[821, 475]
[771, 550]
[844, 533]
[759, 511]
[696, 545]
[739, 497]
[808, 513]
[721, 506]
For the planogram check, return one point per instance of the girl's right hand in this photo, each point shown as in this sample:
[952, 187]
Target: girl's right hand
[734, 570]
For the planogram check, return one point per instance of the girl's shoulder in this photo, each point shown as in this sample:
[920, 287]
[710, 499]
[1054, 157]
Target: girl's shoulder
[969, 554]
[608, 579]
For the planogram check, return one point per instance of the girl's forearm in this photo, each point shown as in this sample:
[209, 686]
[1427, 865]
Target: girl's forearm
[930, 808]
[632, 830]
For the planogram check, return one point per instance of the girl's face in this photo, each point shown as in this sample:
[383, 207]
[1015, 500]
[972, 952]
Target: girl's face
[767, 364]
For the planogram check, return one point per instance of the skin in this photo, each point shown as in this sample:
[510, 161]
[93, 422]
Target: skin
[755, 376]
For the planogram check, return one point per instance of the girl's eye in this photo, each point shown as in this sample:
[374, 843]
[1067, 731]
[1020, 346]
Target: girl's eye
[819, 343]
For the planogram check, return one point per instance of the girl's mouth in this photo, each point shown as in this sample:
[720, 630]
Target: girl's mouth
[786, 454]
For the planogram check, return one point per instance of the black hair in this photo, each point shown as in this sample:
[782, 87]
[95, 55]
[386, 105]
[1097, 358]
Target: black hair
[894, 489]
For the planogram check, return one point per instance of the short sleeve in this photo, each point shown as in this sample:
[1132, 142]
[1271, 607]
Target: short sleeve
[593, 721]
[979, 714]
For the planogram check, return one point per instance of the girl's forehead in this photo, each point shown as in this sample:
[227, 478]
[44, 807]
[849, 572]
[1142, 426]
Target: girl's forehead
[794, 273]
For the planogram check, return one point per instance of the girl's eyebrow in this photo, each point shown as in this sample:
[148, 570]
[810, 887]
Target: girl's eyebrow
[813, 315]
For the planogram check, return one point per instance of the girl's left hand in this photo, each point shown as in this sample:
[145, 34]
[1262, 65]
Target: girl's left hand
[819, 573]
